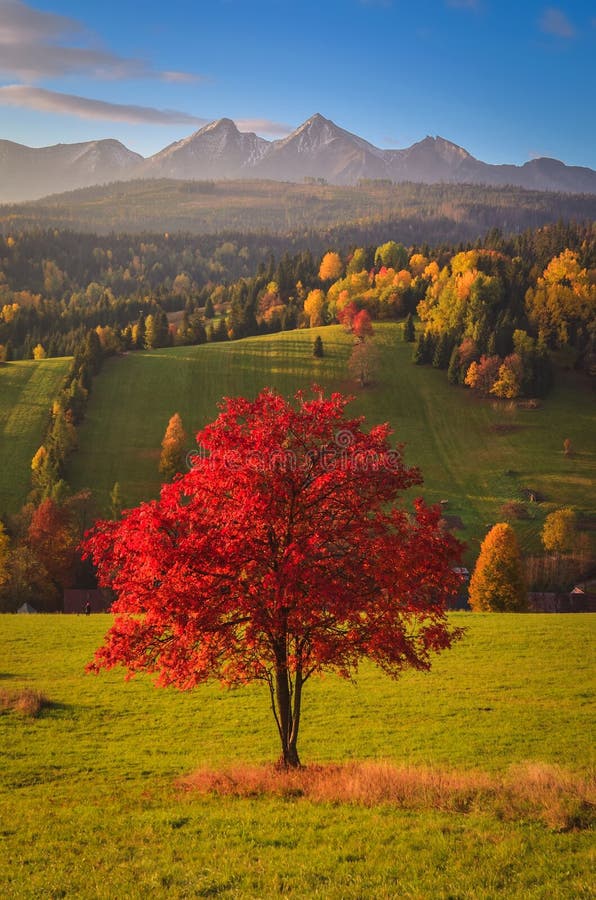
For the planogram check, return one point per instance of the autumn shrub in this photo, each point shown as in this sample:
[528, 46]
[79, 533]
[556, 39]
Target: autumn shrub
[535, 791]
[26, 701]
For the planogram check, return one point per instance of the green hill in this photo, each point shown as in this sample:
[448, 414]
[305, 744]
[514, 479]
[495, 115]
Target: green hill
[474, 454]
[26, 392]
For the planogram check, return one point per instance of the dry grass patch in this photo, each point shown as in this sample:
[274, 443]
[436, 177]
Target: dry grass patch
[27, 702]
[558, 798]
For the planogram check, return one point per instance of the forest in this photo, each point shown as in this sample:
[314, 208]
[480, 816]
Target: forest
[57, 285]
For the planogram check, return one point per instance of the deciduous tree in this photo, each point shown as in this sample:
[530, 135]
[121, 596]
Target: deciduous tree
[174, 447]
[280, 555]
[559, 533]
[331, 267]
[498, 583]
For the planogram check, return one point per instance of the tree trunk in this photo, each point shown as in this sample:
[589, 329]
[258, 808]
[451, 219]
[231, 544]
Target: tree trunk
[288, 717]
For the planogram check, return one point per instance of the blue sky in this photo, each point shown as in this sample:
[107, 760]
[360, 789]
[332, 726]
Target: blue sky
[506, 80]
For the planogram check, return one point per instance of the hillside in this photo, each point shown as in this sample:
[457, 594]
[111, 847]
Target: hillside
[414, 213]
[26, 393]
[474, 454]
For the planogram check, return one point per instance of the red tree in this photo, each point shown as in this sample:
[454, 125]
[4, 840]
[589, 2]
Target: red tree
[362, 325]
[276, 557]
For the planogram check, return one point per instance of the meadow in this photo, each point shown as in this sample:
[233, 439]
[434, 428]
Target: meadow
[90, 803]
[473, 453]
[26, 393]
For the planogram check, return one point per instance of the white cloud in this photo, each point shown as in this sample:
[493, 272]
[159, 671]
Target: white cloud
[36, 45]
[85, 108]
[554, 21]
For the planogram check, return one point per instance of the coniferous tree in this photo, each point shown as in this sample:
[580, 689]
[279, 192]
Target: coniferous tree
[318, 349]
[409, 333]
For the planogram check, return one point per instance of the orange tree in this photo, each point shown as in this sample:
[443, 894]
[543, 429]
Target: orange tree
[498, 582]
[281, 554]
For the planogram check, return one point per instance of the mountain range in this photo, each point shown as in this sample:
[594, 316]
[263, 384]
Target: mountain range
[318, 149]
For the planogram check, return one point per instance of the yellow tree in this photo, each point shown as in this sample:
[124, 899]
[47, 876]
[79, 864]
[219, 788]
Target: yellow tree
[498, 583]
[331, 267]
[39, 352]
[313, 307]
[173, 448]
[559, 533]
[564, 299]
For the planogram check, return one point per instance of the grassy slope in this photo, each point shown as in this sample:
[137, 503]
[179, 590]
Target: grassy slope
[448, 432]
[89, 808]
[26, 393]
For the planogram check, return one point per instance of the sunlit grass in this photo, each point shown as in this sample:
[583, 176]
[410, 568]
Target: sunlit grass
[26, 393]
[466, 457]
[90, 804]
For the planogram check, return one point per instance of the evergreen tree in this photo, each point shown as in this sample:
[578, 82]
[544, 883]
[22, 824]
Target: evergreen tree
[115, 501]
[318, 349]
[409, 332]
[453, 371]
[419, 356]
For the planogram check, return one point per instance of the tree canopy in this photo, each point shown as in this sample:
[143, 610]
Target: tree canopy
[279, 555]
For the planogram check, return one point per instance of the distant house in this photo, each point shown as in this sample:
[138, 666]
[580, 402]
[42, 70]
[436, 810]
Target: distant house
[577, 601]
[76, 600]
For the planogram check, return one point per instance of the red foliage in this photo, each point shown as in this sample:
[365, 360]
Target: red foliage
[50, 536]
[362, 325]
[277, 557]
[345, 315]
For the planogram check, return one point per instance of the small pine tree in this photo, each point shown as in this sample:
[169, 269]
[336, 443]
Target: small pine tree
[409, 332]
[115, 501]
[498, 583]
[209, 311]
[419, 355]
[318, 349]
[454, 370]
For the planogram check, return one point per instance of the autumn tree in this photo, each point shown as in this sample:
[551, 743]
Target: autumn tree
[331, 267]
[174, 447]
[497, 583]
[563, 304]
[559, 533]
[281, 554]
[313, 307]
[362, 327]
[4, 554]
[52, 541]
[363, 363]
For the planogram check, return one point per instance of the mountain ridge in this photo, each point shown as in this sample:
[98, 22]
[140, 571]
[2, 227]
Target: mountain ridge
[317, 149]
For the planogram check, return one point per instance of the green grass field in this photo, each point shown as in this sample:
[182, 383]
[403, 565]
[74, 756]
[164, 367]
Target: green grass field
[89, 806]
[26, 393]
[475, 454]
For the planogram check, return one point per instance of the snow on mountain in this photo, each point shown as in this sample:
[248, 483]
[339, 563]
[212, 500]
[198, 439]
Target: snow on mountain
[316, 149]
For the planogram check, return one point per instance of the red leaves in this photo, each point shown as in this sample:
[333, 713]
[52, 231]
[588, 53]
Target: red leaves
[278, 537]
